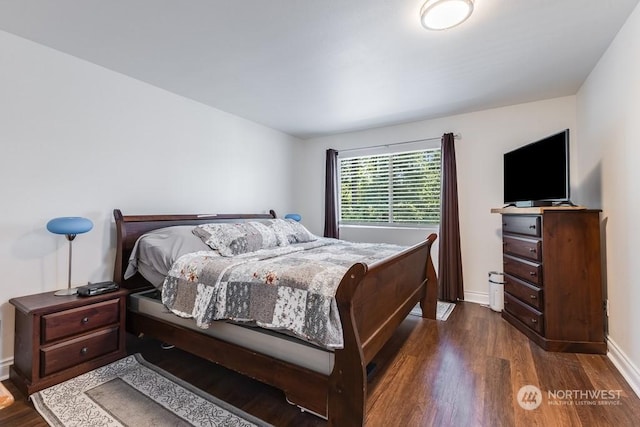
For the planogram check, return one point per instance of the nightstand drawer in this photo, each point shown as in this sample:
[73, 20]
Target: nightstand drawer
[523, 291]
[73, 352]
[79, 320]
[527, 270]
[527, 315]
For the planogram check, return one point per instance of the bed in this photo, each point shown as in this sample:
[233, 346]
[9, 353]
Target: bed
[371, 300]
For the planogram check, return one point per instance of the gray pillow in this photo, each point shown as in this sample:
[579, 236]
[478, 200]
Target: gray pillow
[155, 252]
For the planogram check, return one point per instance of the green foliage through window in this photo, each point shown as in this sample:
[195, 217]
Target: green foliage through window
[400, 188]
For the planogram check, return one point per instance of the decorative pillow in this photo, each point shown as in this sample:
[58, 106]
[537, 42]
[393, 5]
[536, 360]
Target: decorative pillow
[231, 239]
[290, 231]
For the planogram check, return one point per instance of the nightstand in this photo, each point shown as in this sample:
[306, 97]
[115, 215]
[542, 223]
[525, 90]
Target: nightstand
[58, 338]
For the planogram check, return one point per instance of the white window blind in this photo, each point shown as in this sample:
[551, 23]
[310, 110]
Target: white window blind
[398, 188]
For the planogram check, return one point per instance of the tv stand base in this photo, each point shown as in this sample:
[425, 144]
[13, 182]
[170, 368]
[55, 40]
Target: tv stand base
[533, 203]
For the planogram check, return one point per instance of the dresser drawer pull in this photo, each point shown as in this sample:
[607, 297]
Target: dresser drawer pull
[533, 297]
[532, 273]
[84, 350]
[532, 226]
[85, 320]
[532, 250]
[534, 320]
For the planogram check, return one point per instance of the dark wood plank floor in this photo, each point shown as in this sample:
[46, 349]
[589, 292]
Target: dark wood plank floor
[466, 371]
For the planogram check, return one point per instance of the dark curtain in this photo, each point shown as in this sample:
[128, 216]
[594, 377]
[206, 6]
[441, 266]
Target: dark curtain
[450, 286]
[331, 196]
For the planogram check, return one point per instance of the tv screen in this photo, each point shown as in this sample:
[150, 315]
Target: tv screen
[538, 172]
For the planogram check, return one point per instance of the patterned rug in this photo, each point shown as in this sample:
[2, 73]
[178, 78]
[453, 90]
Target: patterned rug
[133, 392]
[443, 310]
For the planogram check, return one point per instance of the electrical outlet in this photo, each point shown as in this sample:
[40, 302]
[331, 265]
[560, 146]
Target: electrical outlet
[606, 307]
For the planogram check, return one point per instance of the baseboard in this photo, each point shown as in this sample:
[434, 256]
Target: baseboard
[626, 368]
[4, 368]
[477, 297]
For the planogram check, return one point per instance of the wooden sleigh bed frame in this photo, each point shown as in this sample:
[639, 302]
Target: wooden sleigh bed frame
[372, 301]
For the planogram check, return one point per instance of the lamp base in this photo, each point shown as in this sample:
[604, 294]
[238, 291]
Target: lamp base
[66, 292]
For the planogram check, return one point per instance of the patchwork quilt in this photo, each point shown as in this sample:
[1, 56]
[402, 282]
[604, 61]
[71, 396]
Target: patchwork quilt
[290, 288]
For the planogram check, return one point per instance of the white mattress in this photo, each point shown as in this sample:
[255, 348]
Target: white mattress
[260, 340]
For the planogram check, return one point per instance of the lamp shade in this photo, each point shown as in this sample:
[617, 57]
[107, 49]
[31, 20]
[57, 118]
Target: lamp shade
[69, 225]
[293, 216]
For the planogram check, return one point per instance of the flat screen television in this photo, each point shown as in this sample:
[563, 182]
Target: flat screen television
[537, 174]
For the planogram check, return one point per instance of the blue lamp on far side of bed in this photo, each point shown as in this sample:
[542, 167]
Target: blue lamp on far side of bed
[70, 226]
[293, 216]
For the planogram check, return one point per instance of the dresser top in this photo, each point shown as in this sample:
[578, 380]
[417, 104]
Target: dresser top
[538, 209]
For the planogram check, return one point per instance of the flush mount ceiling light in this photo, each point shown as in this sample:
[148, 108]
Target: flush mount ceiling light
[443, 14]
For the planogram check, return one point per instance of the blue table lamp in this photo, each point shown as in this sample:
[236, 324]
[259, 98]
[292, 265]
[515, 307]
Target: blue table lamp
[70, 226]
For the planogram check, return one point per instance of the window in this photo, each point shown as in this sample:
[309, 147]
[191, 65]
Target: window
[398, 188]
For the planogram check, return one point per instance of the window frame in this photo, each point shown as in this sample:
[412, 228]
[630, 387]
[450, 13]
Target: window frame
[424, 149]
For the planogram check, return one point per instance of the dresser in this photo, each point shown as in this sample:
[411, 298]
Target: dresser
[553, 277]
[60, 337]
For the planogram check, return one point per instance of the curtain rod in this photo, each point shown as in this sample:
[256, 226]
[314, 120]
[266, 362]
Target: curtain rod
[455, 136]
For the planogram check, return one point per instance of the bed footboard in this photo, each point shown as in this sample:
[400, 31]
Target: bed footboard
[372, 301]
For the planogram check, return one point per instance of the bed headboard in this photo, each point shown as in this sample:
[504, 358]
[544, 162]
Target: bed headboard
[130, 227]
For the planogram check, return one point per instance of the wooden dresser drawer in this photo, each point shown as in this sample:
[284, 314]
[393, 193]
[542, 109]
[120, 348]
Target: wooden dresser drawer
[523, 247]
[521, 224]
[527, 270]
[525, 292]
[527, 315]
[79, 320]
[73, 352]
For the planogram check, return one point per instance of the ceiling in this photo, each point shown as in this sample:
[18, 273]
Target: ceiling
[311, 68]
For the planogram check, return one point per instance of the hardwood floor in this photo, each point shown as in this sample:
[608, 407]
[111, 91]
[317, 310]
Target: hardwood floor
[466, 371]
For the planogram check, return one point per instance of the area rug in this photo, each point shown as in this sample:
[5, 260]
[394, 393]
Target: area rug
[133, 392]
[443, 310]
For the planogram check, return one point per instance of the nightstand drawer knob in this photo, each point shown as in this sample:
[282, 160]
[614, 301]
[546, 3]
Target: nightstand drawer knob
[533, 297]
[85, 320]
[534, 321]
[84, 350]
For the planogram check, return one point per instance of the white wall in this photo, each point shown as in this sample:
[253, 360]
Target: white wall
[608, 106]
[78, 139]
[486, 135]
